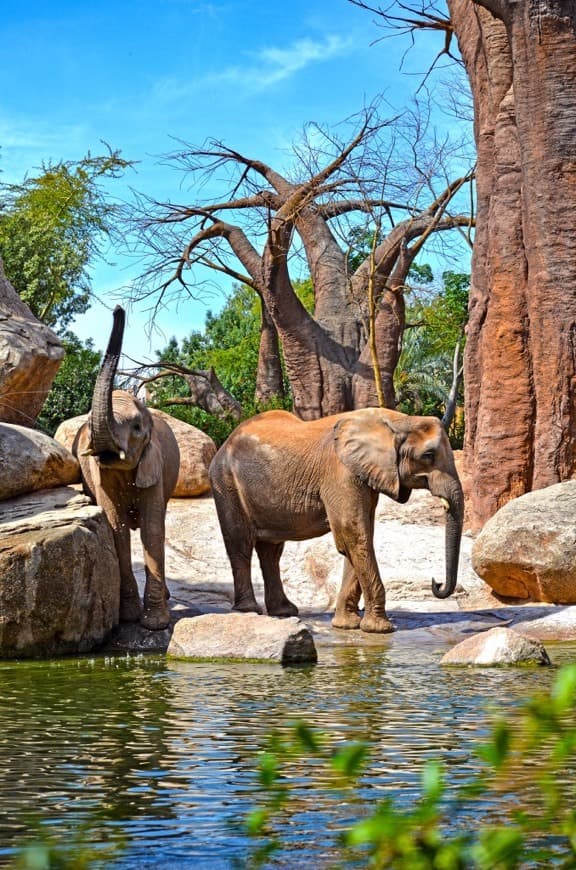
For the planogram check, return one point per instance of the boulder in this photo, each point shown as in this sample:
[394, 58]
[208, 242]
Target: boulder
[196, 452]
[30, 356]
[59, 577]
[243, 636]
[68, 429]
[498, 646]
[527, 550]
[31, 460]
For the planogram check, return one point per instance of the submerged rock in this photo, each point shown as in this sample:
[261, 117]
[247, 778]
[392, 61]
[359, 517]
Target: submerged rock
[498, 646]
[243, 636]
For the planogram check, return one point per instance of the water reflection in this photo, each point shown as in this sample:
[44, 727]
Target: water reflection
[164, 753]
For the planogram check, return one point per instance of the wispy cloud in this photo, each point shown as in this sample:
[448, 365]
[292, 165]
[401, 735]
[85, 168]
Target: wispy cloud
[276, 64]
[264, 68]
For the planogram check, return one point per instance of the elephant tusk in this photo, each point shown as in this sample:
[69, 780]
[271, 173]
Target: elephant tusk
[445, 504]
[122, 455]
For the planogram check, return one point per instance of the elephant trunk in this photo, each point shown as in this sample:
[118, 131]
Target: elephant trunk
[454, 498]
[102, 425]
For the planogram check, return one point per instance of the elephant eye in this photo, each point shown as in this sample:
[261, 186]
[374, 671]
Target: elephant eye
[428, 456]
[137, 427]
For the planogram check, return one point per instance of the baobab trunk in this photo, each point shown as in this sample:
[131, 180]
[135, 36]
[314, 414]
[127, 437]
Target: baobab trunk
[520, 363]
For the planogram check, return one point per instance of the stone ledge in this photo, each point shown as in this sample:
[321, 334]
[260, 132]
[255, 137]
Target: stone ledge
[60, 583]
[243, 636]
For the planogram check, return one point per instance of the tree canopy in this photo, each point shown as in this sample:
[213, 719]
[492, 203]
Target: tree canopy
[71, 392]
[52, 226]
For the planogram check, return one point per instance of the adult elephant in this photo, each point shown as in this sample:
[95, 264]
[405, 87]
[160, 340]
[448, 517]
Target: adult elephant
[129, 461]
[278, 478]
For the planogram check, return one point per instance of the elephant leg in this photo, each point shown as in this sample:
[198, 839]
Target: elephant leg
[354, 539]
[156, 614]
[363, 561]
[277, 604]
[346, 614]
[239, 547]
[130, 606]
[240, 560]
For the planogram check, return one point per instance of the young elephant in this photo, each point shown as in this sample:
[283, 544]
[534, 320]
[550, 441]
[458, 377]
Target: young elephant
[129, 460]
[278, 478]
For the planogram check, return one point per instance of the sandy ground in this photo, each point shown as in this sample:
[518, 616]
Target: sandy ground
[409, 544]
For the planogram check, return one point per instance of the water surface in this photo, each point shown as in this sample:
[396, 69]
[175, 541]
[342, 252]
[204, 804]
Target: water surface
[162, 754]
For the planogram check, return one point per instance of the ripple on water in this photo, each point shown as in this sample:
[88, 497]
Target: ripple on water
[164, 754]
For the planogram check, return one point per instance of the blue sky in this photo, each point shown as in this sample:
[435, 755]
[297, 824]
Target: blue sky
[142, 75]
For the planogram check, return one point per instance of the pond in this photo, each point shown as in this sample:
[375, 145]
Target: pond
[161, 755]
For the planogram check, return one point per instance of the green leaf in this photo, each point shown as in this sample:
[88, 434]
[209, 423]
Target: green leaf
[349, 760]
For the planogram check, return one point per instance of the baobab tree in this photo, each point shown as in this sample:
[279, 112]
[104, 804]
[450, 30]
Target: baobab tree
[342, 355]
[521, 352]
[520, 360]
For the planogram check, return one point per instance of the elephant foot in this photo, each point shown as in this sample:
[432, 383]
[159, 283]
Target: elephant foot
[247, 605]
[130, 609]
[346, 620]
[283, 610]
[156, 618]
[376, 624]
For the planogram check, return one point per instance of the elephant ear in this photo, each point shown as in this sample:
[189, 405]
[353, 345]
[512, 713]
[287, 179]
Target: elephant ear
[365, 443]
[149, 469]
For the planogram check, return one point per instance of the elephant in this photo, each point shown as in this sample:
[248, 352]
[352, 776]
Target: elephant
[129, 461]
[278, 478]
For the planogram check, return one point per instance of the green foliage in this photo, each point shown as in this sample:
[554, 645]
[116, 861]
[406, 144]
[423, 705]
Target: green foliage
[71, 392]
[532, 747]
[361, 242]
[52, 226]
[421, 274]
[436, 319]
[52, 849]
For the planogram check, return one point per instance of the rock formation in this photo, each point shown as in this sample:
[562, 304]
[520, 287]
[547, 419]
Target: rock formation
[527, 550]
[196, 452]
[498, 646]
[59, 577]
[30, 461]
[243, 636]
[30, 356]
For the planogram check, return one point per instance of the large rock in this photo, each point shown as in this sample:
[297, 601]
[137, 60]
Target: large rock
[498, 646]
[196, 452]
[59, 577]
[31, 460]
[243, 636]
[527, 550]
[30, 356]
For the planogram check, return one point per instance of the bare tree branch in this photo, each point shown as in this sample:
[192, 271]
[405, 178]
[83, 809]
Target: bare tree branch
[206, 390]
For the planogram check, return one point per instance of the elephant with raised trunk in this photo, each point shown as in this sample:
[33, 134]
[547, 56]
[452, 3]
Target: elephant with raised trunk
[278, 478]
[129, 460]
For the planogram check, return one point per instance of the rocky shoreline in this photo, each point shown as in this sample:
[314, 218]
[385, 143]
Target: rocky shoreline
[409, 543]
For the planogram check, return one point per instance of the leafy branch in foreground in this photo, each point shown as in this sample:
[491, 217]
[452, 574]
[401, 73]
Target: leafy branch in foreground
[528, 751]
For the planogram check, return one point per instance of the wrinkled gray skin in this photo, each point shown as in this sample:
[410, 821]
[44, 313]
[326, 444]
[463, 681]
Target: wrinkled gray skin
[278, 478]
[129, 460]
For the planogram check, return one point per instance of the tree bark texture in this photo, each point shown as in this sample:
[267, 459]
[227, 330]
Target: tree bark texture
[520, 363]
[331, 357]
